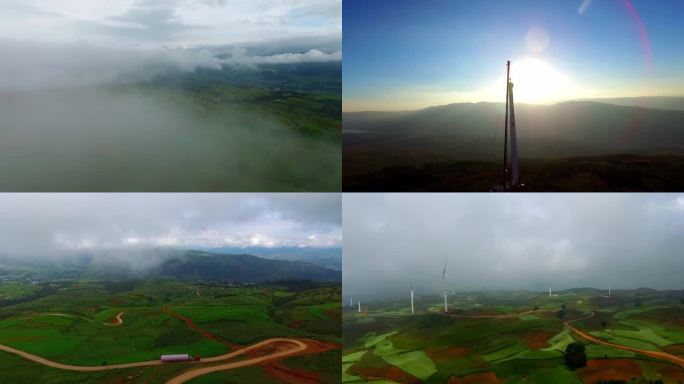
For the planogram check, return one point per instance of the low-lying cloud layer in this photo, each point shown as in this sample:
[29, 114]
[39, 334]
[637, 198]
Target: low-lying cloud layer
[38, 65]
[128, 140]
[48, 44]
[49, 226]
[528, 241]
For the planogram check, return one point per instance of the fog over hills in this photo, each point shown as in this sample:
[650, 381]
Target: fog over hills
[135, 235]
[510, 242]
[170, 96]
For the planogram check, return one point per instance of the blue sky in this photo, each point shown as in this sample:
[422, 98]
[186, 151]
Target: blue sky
[405, 54]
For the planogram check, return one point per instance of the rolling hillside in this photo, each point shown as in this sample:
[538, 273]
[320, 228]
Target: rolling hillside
[242, 268]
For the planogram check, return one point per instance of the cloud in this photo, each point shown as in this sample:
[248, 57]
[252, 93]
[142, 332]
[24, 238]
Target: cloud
[67, 43]
[174, 23]
[30, 65]
[493, 242]
[241, 56]
[145, 23]
[48, 225]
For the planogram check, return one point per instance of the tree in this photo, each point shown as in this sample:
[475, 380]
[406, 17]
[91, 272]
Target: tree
[561, 313]
[604, 324]
[575, 356]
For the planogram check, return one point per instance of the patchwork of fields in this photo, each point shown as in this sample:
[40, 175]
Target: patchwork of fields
[515, 337]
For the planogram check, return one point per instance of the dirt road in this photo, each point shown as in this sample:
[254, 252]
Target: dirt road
[117, 321]
[79, 368]
[299, 346]
[189, 375]
[656, 354]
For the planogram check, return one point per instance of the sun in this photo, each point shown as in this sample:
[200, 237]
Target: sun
[536, 81]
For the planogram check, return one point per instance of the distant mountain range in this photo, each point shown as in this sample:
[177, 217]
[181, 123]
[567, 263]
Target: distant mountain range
[242, 268]
[325, 257]
[655, 102]
[569, 146]
[474, 131]
[167, 263]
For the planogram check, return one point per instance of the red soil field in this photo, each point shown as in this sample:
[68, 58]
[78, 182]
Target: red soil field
[388, 372]
[290, 375]
[609, 369]
[477, 378]
[441, 354]
[536, 340]
[670, 373]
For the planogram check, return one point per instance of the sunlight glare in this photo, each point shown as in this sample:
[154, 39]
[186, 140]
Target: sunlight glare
[536, 81]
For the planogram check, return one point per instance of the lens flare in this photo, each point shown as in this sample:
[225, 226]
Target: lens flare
[536, 81]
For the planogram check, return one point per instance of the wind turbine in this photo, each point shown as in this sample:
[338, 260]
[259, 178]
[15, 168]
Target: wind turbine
[444, 285]
[359, 306]
[549, 292]
[412, 312]
[351, 301]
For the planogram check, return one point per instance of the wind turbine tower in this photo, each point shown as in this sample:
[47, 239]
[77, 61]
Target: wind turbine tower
[412, 312]
[351, 301]
[444, 285]
[549, 292]
[359, 306]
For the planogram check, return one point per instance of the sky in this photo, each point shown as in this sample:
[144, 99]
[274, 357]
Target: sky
[50, 225]
[405, 55]
[59, 43]
[511, 241]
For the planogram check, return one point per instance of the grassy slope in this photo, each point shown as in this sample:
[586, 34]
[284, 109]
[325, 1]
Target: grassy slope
[234, 314]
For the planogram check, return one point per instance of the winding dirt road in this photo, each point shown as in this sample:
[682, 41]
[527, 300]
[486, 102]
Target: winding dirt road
[189, 375]
[299, 346]
[655, 354]
[117, 321]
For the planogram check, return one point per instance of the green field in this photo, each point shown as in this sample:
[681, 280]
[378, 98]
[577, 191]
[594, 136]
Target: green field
[508, 345]
[74, 324]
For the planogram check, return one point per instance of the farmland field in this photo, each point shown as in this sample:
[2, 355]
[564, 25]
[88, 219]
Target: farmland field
[101, 323]
[517, 337]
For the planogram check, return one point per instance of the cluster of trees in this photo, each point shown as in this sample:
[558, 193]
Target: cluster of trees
[575, 356]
